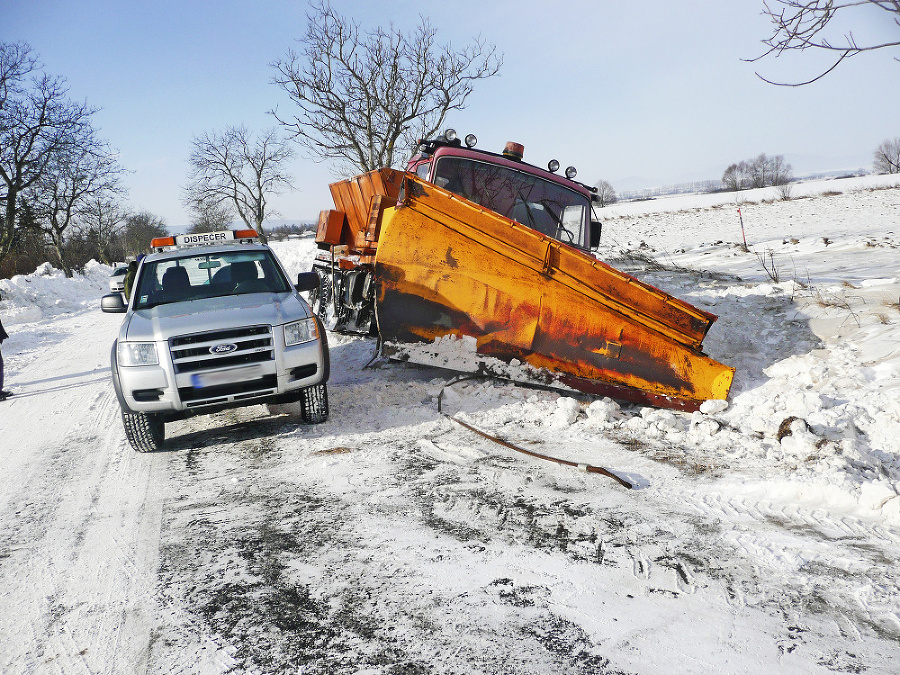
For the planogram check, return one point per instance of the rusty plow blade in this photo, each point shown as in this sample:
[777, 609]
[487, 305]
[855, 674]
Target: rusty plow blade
[457, 281]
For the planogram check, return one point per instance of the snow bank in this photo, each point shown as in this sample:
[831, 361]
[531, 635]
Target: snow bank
[46, 292]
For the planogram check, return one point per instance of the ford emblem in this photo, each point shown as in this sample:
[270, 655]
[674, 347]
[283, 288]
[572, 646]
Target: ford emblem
[224, 348]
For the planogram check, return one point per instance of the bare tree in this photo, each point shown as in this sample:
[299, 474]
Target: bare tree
[760, 175]
[140, 229]
[16, 63]
[887, 157]
[780, 172]
[737, 176]
[81, 170]
[37, 124]
[605, 194]
[803, 24]
[103, 221]
[762, 171]
[232, 170]
[365, 99]
[212, 218]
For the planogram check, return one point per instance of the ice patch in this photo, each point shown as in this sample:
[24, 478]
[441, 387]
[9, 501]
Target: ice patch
[866, 283]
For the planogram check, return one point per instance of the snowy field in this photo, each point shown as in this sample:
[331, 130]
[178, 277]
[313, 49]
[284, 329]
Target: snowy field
[762, 536]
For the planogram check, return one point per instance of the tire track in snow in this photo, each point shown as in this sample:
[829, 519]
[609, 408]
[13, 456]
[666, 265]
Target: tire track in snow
[293, 567]
[846, 561]
[715, 540]
[287, 547]
[78, 527]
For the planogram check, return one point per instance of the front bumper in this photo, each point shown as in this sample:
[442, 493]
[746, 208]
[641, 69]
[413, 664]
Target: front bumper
[163, 389]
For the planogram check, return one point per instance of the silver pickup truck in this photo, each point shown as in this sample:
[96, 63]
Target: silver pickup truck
[213, 323]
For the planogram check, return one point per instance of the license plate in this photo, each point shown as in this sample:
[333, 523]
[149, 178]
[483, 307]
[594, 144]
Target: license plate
[241, 374]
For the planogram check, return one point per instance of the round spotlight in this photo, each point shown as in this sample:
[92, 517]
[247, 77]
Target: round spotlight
[450, 135]
[552, 166]
[471, 141]
[571, 172]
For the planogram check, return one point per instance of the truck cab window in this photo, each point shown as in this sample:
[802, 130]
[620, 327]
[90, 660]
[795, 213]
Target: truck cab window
[542, 205]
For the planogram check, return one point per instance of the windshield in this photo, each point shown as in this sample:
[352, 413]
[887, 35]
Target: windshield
[540, 204]
[195, 277]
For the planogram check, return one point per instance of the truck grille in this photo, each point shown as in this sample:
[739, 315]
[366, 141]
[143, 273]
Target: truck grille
[191, 353]
[196, 353]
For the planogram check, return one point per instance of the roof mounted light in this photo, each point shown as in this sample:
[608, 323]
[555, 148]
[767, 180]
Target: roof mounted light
[202, 238]
[514, 151]
[471, 141]
[162, 242]
[571, 172]
[450, 135]
[553, 166]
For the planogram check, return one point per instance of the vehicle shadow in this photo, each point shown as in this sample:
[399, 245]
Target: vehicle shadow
[365, 396]
[256, 428]
[52, 385]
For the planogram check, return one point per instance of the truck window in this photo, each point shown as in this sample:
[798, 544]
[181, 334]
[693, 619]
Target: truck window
[542, 205]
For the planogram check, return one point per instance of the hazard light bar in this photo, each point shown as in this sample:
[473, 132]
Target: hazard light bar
[201, 238]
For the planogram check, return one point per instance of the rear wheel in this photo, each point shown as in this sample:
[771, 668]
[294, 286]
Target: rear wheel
[145, 431]
[314, 404]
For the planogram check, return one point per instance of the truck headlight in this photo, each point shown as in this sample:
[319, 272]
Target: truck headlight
[136, 354]
[299, 332]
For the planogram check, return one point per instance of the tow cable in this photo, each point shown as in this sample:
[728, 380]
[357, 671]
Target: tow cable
[589, 468]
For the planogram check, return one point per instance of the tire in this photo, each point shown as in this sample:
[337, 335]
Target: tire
[146, 432]
[326, 350]
[322, 301]
[314, 404]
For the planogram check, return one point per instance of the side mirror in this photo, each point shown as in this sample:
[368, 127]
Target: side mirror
[307, 281]
[596, 229]
[113, 303]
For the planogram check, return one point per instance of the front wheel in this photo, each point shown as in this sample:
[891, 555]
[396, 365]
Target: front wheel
[145, 431]
[314, 404]
[324, 300]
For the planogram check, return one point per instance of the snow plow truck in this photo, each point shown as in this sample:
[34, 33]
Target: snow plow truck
[480, 262]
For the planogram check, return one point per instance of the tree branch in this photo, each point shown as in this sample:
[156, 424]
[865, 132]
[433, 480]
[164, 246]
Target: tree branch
[803, 24]
[362, 98]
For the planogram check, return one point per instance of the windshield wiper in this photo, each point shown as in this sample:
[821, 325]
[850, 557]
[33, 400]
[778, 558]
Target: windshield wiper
[558, 219]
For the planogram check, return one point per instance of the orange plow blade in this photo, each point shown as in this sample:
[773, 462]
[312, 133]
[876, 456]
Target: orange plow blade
[448, 271]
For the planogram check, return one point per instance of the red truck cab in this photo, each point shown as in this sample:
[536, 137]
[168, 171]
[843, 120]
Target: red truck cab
[554, 205]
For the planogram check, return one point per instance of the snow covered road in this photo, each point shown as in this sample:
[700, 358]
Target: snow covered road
[762, 537]
[80, 518]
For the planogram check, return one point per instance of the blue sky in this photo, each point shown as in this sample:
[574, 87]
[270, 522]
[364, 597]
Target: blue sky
[639, 93]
